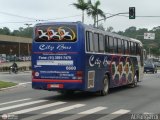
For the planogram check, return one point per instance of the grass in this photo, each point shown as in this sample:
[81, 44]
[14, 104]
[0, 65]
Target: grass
[6, 84]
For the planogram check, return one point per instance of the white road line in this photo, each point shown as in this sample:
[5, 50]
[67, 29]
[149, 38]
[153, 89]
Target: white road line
[91, 111]
[37, 108]
[25, 83]
[148, 113]
[84, 113]
[64, 109]
[114, 114]
[60, 110]
[23, 104]
[121, 111]
[15, 101]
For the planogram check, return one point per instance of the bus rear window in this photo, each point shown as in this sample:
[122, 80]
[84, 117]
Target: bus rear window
[56, 33]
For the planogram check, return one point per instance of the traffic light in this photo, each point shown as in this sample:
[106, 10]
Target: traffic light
[132, 14]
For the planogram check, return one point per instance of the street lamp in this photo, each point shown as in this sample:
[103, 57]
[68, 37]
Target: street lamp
[28, 25]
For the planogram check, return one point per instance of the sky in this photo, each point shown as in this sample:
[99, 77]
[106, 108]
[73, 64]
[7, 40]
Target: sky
[17, 13]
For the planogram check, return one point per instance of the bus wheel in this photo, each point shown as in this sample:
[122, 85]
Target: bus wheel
[105, 89]
[135, 81]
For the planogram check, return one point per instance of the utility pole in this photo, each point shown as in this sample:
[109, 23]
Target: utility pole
[28, 26]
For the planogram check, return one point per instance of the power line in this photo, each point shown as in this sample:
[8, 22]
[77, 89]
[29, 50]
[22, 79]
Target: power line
[14, 15]
[148, 16]
[39, 20]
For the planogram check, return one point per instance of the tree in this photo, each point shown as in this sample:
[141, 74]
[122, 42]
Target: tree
[82, 5]
[110, 29]
[101, 27]
[94, 11]
[5, 31]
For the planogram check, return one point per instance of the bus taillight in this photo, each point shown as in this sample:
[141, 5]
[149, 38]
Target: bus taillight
[33, 74]
[79, 74]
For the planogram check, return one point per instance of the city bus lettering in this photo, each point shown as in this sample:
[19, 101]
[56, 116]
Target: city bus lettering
[94, 61]
[63, 47]
[46, 47]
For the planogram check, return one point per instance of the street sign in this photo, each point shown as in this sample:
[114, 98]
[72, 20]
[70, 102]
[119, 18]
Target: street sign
[149, 36]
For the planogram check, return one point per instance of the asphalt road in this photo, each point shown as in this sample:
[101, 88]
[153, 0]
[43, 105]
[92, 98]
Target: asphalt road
[122, 103]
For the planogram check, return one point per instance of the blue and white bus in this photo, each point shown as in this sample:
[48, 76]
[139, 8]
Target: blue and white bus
[71, 56]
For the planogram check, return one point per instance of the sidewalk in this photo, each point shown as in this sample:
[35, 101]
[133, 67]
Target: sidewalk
[17, 73]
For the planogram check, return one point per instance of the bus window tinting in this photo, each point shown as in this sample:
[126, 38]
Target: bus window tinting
[126, 47]
[119, 46]
[111, 45]
[123, 47]
[101, 43]
[106, 44]
[115, 45]
[96, 42]
[89, 41]
[56, 33]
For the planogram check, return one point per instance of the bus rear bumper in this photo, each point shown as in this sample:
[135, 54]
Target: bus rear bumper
[53, 84]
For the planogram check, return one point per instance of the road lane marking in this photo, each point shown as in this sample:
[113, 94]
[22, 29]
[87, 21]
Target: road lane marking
[37, 108]
[121, 111]
[57, 111]
[114, 114]
[148, 113]
[84, 113]
[21, 105]
[25, 83]
[64, 109]
[91, 111]
[15, 101]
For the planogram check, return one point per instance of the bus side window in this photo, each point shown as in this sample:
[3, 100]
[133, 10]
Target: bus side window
[138, 49]
[115, 45]
[120, 46]
[111, 45]
[96, 43]
[101, 43]
[126, 47]
[129, 48]
[106, 43]
[141, 56]
[89, 41]
[132, 48]
[123, 47]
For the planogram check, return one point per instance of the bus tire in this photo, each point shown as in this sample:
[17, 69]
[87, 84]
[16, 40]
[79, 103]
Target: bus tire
[135, 81]
[105, 89]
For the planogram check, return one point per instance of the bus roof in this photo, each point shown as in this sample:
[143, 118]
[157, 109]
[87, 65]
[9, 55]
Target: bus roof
[93, 29]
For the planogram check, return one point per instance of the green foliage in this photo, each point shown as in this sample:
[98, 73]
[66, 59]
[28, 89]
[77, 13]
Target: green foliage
[6, 84]
[82, 5]
[22, 32]
[94, 11]
[4, 31]
[154, 45]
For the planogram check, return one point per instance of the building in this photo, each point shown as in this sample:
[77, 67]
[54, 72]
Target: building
[15, 46]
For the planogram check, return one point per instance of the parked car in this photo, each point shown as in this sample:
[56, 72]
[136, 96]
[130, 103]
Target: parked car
[150, 67]
[157, 64]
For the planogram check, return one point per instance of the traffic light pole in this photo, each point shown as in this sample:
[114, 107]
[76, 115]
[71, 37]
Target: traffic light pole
[112, 16]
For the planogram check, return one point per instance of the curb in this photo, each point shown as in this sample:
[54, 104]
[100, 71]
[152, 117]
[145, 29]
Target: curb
[17, 73]
[19, 84]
